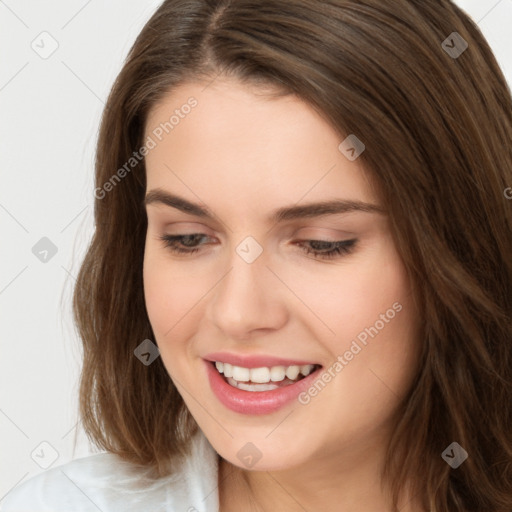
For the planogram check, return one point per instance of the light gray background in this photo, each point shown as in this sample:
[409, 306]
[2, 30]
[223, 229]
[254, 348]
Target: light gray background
[50, 113]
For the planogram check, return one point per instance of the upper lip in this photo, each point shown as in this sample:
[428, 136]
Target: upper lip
[254, 361]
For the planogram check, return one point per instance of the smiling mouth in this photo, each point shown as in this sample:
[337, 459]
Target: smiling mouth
[263, 378]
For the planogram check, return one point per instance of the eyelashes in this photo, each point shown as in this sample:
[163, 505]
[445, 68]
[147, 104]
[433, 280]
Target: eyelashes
[321, 249]
[338, 248]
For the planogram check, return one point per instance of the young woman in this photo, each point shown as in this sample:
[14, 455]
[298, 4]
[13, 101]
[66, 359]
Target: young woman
[299, 292]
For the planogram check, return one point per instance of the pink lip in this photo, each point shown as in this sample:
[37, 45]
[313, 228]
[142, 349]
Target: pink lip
[255, 402]
[253, 361]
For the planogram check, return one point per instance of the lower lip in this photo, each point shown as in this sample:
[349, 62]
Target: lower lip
[255, 402]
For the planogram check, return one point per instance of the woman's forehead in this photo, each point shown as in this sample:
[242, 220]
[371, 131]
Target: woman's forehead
[240, 141]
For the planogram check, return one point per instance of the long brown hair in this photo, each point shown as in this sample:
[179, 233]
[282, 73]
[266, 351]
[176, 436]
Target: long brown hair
[438, 134]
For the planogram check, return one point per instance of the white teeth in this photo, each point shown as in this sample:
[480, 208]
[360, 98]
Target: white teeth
[306, 369]
[263, 375]
[228, 370]
[260, 375]
[277, 373]
[252, 387]
[256, 387]
[292, 372]
[241, 374]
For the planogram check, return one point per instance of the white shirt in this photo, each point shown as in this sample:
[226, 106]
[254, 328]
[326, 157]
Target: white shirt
[104, 483]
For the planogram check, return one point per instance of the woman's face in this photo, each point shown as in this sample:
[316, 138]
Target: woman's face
[253, 297]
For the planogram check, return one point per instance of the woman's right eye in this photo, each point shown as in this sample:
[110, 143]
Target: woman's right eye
[172, 241]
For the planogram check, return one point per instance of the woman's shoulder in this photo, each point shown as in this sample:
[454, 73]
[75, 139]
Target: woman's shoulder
[105, 482]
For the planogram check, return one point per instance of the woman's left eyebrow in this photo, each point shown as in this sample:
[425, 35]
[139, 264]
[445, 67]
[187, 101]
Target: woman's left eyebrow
[309, 210]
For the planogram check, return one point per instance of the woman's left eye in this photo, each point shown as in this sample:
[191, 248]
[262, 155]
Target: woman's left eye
[322, 249]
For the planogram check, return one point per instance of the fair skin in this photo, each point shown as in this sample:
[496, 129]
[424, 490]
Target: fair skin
[242, 155]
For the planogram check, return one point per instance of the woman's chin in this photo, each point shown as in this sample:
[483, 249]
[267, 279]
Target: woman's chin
[271, 463]
[254, 456]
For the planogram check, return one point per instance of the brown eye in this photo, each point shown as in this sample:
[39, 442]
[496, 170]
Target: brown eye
[329, 249]
[187, 242]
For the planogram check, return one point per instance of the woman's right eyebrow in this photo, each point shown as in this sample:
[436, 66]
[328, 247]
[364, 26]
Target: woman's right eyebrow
[309, 210]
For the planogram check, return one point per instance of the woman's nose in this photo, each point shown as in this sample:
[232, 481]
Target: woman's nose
[248, 296]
